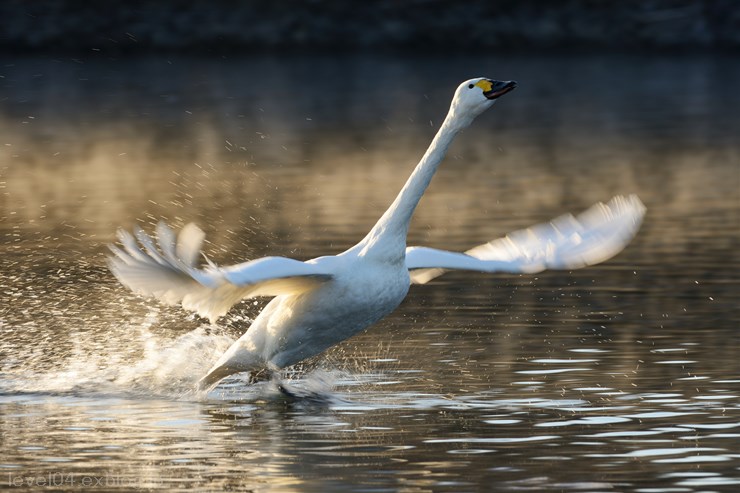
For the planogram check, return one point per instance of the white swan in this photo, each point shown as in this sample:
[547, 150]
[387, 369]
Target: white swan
[321, 302]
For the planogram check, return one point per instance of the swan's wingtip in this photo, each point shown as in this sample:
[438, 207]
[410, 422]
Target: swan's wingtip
[619, 207]
[637, 203]
[631, 202]
[190, 228]
[164, 232]
[637, 209]
[123, 235]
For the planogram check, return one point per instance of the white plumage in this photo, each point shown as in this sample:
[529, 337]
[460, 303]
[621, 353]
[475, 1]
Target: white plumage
[565, 243]
[321, 302]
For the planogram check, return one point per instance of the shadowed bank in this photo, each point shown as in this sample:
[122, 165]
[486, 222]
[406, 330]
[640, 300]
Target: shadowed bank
[421, 26]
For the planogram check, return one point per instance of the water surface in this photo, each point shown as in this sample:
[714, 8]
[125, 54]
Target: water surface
[619, 377]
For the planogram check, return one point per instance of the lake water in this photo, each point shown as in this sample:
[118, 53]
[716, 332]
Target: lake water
[619, 377]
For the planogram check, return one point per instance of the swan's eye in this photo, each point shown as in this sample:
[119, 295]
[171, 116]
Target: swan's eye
[470, 86]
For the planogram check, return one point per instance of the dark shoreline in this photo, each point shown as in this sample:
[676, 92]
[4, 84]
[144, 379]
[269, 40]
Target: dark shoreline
[413, 26]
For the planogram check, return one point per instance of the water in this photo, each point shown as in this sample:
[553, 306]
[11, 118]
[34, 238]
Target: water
[620, 377]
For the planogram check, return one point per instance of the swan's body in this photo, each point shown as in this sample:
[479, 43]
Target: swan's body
[321, 302]
[293, 327]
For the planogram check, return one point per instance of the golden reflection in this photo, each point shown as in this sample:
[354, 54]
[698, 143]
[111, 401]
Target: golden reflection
[647, 337]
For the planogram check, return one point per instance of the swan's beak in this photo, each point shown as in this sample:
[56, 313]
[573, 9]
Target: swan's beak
[494, 89]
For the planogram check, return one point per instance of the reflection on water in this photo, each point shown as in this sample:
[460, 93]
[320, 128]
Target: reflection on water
[622, 376]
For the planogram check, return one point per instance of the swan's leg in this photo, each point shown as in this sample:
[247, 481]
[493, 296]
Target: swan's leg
[258, 376]
[212, 379]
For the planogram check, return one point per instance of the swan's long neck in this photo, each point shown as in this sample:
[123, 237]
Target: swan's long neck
[388, 236]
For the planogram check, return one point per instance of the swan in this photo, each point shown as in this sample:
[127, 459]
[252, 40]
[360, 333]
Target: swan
[320, 302]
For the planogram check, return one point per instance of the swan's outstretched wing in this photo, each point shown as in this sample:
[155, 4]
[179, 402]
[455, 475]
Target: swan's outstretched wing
[167, 270]
[567, 242]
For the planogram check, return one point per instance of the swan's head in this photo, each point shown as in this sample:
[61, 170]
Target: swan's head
[475, 96]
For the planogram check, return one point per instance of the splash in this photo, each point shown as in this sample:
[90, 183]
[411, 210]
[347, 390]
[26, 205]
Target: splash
[145, 357]
[173, 366]
[133, 359]
[155, 354]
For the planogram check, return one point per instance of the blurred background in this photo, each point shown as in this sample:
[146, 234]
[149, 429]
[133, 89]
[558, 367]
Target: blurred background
[422, 26]
[286, 128]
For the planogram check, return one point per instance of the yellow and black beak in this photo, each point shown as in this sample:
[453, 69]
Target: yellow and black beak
[493, 89]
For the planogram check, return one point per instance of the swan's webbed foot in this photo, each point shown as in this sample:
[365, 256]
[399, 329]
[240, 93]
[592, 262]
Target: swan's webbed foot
[281, 386]
[286, 391]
